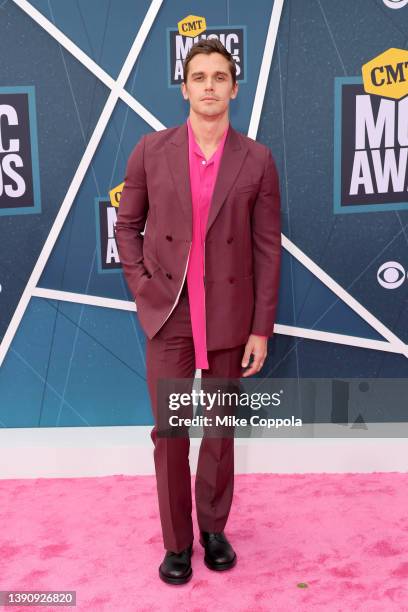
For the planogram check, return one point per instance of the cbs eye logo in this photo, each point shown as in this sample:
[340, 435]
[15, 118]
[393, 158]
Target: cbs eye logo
[391, 274]
[395, 4]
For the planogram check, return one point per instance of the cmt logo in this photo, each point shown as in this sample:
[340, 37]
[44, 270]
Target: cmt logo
[19, 172]
[106, 214]
[371, 136]
[391, 275]
[386, 75]
[192, 26]
[115, 193]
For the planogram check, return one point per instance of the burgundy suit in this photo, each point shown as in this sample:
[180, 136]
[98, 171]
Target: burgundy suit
[241, 276]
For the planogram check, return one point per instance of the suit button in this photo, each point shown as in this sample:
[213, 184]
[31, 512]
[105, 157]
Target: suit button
[231, 280]
[229, 240]
[168, 275]
[170, 238]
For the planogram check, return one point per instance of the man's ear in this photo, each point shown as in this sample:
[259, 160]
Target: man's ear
[234, 91]
[184, 90]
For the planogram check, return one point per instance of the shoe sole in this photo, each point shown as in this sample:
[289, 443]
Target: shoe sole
[180, 580]
[219, 567]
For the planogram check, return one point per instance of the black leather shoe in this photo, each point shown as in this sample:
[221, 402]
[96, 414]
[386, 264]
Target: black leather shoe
[219, 554]
[176, 567]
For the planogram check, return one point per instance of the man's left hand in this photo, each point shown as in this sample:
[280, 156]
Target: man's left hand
[256, 346]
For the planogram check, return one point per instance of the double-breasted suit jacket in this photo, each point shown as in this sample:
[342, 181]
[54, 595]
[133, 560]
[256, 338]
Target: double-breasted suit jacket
[242, 247]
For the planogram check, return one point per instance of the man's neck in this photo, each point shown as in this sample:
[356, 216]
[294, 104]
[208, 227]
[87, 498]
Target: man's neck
[208, 131]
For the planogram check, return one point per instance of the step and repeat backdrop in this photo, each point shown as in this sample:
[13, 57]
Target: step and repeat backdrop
[82, 81]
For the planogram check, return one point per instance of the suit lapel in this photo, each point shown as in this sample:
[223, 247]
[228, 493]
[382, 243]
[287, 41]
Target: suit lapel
[177, 157]
[232, 159]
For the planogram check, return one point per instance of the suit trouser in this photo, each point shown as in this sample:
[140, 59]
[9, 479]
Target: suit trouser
[170, 354]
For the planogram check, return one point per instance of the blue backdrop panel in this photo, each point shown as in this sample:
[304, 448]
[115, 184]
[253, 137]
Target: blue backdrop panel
[71, 364]
[68, 102]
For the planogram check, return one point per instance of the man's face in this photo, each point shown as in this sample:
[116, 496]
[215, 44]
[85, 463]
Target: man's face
[209, 85]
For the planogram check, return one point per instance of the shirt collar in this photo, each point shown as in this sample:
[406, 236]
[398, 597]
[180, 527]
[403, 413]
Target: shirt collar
[194, 146]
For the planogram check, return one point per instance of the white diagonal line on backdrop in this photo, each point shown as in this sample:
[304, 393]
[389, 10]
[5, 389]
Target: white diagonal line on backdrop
[398, 345]
[83, 298]
[348, 299]
[67, 372]
[80, 172]
[89, 63]
[265, 68]
[286, 330]
[313, 334]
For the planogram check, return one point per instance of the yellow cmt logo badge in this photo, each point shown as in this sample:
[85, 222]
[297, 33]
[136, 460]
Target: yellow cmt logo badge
[192, 25]
[387, 74]
[115, 193]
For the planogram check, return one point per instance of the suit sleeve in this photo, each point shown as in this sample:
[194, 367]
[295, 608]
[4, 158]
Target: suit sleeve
[266, 243]
[131, 218]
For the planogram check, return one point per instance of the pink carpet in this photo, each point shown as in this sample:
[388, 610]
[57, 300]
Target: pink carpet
[343, 536]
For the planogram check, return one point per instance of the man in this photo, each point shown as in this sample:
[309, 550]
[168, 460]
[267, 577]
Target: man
[205, 277]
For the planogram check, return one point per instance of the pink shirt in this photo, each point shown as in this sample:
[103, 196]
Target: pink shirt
[203, 175]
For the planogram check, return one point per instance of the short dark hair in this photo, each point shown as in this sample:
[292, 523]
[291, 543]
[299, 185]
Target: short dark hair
[208, 46]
